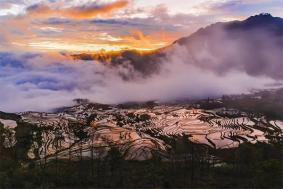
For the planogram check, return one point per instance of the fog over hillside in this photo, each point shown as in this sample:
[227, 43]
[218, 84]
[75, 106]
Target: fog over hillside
[225, 58]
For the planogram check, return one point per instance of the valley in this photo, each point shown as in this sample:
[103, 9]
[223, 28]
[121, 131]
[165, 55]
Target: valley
[89, 130]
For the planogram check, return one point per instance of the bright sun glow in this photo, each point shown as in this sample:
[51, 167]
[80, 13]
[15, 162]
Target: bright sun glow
[84, 47]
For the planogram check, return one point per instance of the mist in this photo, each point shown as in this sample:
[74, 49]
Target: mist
[42, 84]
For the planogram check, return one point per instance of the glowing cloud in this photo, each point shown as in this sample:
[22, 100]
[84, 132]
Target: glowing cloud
[82, 12]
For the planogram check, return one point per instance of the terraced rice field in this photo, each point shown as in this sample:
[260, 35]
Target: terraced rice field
[86, 132]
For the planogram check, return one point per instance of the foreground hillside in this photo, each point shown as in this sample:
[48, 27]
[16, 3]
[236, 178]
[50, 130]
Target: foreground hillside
[207, 136]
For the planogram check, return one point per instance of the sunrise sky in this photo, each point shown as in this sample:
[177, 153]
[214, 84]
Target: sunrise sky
[92, 25]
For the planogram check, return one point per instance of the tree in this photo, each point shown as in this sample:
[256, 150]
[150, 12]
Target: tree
[114, 159]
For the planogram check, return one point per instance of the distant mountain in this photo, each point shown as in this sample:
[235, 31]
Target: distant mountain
[125, 58]
[253, 46]
[259, 23]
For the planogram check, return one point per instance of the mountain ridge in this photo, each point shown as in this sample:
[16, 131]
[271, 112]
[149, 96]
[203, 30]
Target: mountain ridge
[252, 22]
[260, 34]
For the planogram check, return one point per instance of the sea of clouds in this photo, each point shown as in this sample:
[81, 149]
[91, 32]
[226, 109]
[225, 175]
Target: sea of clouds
[41, 83]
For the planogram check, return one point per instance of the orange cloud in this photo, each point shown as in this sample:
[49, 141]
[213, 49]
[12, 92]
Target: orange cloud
[92, 11]
[138, 40]
[40, 10]
[87, 11]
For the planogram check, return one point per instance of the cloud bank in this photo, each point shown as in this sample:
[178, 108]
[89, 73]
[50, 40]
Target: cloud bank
[38, 82]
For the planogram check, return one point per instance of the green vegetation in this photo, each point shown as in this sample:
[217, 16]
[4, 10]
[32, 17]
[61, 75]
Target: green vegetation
[188, 166]
[268, 103]
[10, 116]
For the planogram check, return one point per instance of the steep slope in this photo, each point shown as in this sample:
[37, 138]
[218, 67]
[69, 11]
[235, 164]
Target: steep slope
[254, 46]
